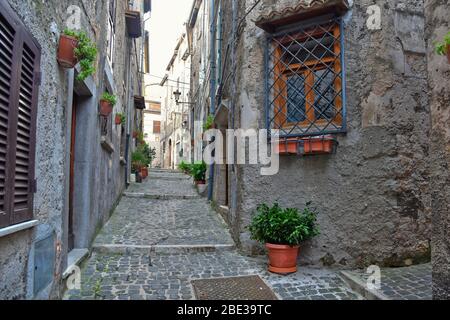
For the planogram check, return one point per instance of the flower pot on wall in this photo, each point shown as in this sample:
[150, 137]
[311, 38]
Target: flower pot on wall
[105, 108]
[66, 51]
[318, 145]
[282, 258]
[118, 120]
[135, 135]
[288, 146]
[200, 182]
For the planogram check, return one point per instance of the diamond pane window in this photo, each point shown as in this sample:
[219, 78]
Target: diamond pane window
[305, 82]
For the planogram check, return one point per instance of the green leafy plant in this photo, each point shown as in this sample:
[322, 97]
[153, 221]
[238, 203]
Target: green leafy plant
[208, 123]
[122, 117]
[148, 153]
[185, 167]
[138, 160]
[441, 47]
[112, 99]
[285, 226]
[198, 171]
[86, 53]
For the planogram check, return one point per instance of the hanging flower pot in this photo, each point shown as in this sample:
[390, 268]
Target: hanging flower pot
[105, 108]
[319, 145]
[107, 103]
[66, 51]
[117, 120]
[135, 134]
[288, 146]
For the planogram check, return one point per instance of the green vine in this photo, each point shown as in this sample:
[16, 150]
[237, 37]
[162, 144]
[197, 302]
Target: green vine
[441, 47]
[112, 99]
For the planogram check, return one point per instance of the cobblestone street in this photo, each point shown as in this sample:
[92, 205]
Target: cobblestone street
[156, 243]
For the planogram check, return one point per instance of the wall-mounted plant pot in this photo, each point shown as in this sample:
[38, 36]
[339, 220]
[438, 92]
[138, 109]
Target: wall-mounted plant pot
[200, 182]
[319, 145]
[288, 146]
[135, 135]
[106, 108]
[282, 258]
[66, 51]
[118, 120]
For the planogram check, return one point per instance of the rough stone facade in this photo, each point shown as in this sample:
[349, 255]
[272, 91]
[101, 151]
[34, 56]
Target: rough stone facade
[437, 15]
[373, 194]
[100, 172]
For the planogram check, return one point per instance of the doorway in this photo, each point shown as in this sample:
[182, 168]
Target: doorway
[71, 243]
[170, 154]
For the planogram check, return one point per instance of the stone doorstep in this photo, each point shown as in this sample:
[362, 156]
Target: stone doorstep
[360, 287]
[161, 249]
[75, 258]
[159, 197]
[167, 178]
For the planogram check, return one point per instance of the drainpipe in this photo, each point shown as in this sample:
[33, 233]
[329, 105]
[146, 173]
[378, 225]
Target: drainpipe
[129, 115]
[212, 85]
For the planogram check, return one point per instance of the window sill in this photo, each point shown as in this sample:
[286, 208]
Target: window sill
[107, 145]
[18, 227]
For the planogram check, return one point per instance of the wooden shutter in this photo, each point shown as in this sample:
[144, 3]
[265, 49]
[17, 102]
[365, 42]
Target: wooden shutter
[156, 126]
[19, 81]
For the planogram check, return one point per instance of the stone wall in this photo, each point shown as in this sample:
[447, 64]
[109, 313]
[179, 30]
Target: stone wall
[437, 15]
[101, 178]
[373, 194]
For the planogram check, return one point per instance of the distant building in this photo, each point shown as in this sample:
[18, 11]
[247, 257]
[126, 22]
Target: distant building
[152, 129]
[175, 137]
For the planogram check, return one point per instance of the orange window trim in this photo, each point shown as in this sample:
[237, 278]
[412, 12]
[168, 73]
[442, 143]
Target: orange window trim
[280, 84]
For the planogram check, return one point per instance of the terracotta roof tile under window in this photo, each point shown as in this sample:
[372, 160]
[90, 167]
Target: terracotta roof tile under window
[304, 10]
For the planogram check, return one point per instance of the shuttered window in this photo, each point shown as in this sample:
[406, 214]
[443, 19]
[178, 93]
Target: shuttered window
[19, 80]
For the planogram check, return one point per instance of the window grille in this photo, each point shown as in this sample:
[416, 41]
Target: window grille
[305, 80]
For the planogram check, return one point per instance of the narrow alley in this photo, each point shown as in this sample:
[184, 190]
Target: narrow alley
[162, 236]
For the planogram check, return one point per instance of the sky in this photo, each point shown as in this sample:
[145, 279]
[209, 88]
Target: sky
[165, 27]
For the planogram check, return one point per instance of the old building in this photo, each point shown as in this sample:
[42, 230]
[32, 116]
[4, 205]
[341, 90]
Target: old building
[62, 165]
[152, 129]
[175, 138]
[348, 72]
[437, 15]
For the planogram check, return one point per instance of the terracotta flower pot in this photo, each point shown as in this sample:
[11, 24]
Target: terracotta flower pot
[105, 108]
[448, 53]
[118, 120]
[318, 145]
[135, 135]
[200, 182]
[282, 258]
[144, 172]
[66, 51]
[288, 146]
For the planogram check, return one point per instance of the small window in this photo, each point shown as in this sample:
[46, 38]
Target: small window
[157, 127]
[305, 95]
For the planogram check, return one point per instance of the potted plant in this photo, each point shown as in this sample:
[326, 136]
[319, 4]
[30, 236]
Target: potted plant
[288, 146]
[107, 103]
[198, 172]
[209, 123]
[76, 47]
[185, 167]
[137, 162]
[120, 119]
[443, 48]
[282, 230]
[318, 145]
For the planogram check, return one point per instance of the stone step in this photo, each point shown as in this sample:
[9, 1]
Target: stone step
[152, 196]
[360, 287]
[160, 249]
